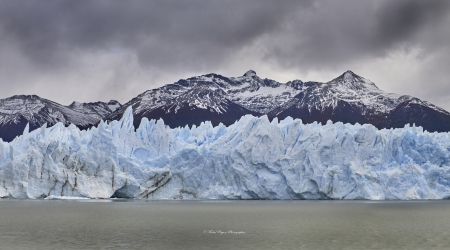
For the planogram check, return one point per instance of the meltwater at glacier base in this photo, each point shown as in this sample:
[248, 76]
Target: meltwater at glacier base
[251, 159]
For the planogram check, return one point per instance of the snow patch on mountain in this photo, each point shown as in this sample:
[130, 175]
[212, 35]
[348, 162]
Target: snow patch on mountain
[113, 105]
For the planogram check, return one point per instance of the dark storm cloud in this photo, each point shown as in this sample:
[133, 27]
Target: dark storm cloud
[160, 32]
[336, 32]
[398, 21]
[45, 45]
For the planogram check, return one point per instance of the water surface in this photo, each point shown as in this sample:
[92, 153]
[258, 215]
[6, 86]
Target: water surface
[106, 224]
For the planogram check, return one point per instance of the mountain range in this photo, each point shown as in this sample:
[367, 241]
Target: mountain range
[349, 98]
[19, 110]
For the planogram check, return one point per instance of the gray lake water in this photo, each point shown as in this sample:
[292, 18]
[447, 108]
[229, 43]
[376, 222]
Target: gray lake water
[106, 224]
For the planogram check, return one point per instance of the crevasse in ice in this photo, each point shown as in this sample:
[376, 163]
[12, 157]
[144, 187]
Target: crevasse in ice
[251, 159]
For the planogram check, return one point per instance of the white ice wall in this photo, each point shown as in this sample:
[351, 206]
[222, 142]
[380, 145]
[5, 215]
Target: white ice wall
[251, 159]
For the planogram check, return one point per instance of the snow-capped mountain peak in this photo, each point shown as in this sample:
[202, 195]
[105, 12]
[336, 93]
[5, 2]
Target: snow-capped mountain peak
[76, 104]
[250, 73]
[99, 110]
[352, 81]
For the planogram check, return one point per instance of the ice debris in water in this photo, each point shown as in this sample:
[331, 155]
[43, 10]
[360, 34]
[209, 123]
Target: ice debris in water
[251, 159]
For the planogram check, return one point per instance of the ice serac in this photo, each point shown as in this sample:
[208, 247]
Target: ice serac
[251, 159]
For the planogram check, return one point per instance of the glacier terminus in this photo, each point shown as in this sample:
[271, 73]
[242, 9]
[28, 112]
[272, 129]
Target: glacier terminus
[250, 159]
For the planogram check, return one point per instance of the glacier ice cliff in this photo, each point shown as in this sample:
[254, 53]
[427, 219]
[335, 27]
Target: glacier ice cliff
[251, 159]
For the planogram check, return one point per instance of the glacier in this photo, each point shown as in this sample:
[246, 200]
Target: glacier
[253, 158]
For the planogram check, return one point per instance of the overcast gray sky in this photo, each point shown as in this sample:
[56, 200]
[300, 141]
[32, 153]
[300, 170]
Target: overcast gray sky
[100, 50]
